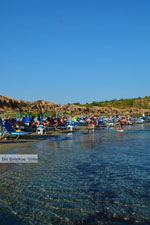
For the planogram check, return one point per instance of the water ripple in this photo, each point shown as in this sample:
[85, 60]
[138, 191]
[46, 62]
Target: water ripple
[96, 178]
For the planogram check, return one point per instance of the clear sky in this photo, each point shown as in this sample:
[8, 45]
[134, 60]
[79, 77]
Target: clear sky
[74, 50]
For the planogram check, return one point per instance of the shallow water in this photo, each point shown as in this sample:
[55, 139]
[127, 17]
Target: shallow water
[101, 177]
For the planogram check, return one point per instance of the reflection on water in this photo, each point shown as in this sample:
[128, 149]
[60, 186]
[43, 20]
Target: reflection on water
[90, 178]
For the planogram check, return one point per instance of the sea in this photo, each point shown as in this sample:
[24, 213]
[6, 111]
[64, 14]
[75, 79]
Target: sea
[81, 178]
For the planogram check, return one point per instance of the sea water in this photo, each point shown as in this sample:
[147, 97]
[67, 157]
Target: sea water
[100, 177]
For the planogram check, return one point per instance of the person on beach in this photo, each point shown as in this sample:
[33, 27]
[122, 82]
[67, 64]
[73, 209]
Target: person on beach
[120, 125]
[90, 126]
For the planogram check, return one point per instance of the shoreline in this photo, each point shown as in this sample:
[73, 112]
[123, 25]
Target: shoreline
[8, 145]
[27, 141]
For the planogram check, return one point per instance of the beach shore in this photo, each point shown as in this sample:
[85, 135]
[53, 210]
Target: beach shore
[8, 145]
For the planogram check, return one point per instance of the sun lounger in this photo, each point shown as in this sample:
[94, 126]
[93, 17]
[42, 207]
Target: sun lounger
[3, 131]
[12, 132]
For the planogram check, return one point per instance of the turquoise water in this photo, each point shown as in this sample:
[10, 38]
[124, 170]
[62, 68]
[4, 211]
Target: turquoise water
[81, 178]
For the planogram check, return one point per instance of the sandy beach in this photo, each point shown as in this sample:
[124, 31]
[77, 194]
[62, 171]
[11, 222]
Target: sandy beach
[8, 145]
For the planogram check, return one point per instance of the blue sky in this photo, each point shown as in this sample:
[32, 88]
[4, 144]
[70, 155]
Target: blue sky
[74, 50]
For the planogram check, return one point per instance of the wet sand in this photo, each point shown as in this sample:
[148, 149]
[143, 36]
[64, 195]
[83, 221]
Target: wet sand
[26, 141]
[10, 144]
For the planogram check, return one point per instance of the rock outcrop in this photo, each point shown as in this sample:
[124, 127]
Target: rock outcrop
[9, 105]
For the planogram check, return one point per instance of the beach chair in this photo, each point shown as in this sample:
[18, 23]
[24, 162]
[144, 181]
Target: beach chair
[26, 120]
[41, 129]
[12, 132]
[1, 128]
[3, 131]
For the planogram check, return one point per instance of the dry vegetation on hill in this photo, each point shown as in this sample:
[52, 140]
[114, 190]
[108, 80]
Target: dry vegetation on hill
[135, 106]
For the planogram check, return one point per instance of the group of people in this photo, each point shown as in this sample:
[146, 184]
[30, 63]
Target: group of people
[48, 121]
[89, 122]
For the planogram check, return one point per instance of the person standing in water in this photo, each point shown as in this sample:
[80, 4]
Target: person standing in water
[120, 125]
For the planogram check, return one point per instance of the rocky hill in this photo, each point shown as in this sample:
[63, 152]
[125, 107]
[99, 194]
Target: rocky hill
[9, 105]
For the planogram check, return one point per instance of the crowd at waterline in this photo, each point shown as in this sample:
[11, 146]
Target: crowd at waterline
[16, 127]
